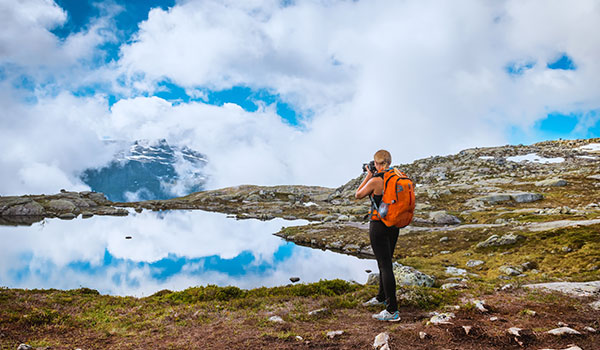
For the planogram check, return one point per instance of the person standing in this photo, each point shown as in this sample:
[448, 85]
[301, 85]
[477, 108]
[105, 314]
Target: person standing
[383, 238]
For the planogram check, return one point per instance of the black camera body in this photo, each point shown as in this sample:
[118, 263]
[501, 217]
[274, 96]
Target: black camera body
[369, 167]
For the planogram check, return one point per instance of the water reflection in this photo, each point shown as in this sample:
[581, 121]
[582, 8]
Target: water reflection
[143, 253]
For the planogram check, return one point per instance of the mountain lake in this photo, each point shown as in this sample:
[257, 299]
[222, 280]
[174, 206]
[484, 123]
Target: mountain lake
[143, 253]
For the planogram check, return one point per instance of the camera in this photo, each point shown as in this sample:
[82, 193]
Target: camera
[369, 167]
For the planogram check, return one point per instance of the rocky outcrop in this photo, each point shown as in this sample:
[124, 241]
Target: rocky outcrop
[26, 210]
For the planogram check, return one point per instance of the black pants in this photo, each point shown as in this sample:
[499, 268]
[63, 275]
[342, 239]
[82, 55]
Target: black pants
[383, 241]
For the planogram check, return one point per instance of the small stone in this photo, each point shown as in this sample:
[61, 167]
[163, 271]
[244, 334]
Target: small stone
[139, 209]
[442, 318]
[24, 347]
[318, 312]
[368, 271]
[299, 338]
[514, 331]
[443, 218]
[445, 252]
[567, 249]
[529, 312]
[381, 340]
[423, 335]
[276, 319]
[333, 334]
[453, 286]
[589, 329]
[467, 329]
[453, 271]
[474, 263]
[86, 215]
[494, 318]
[373, 279]
[595, 305]
[444, 239]
[562, 324]
[506, 287]
[67, 216]
[128, 237]
[480, 305]
[563, 331]
[294, 279]
[510, 270]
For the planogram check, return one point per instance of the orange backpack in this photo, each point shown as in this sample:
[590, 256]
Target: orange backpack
[397, 205]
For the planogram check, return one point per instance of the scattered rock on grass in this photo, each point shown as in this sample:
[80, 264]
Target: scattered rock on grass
[276, 319]
[563, 331]
[333, 334]
[381, 340]
[441, 318]
[409, 276]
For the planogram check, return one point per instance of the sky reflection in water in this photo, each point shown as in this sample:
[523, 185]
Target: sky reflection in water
[167, 250]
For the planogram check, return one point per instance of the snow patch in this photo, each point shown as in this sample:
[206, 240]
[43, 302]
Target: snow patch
[534, 158]
[587, 157]
[592, 147]
[486, 157]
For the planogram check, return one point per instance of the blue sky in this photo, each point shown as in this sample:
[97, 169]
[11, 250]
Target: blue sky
[284, 89]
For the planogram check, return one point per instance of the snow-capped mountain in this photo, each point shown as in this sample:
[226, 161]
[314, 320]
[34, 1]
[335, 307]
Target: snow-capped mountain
[149, 170]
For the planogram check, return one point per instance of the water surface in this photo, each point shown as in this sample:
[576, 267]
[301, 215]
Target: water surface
[146, 252]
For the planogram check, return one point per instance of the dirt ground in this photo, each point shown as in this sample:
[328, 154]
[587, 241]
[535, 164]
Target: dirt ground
[227, 327]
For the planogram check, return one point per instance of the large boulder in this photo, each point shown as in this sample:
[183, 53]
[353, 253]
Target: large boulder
[31, 208]
[443, 218]
[409, 276]
[61, 206]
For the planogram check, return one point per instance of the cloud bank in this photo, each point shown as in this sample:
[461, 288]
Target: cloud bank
[418, 78]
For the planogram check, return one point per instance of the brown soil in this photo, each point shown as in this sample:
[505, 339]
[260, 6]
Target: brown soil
[226, 327]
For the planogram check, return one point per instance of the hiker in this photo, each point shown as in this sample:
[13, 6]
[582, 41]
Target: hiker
[383, 238]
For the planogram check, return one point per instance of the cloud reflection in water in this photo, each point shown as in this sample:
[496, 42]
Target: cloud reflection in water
[167, 250]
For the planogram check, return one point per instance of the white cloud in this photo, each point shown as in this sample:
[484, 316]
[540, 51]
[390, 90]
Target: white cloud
[416, 77]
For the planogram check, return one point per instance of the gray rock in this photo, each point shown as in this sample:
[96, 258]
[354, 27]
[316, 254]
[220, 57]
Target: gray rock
[442, 318]
[67, 216]
[381, 341]
[444, 239]
[579, 289]
[367, 250]
[61, 206]
[373, 279]
[86, 215]
[333, 334]
[595, 305]
[453, 271]
[334, 245]
[294, 279]
[31, 208]
[453, 286]
[24, 347]
[495, 240]
[510, 270]
[319, 312]
[494, 198]
[350, 248]
[551, 183]
[443, 218]
[474, 263]
[563, 331]
[526, 197]
[276, 319]
[409, 276]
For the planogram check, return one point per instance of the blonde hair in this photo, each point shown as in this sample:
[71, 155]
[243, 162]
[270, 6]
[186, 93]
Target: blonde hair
[383, 157]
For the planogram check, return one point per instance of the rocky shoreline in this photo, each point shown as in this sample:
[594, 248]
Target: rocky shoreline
[493, 236]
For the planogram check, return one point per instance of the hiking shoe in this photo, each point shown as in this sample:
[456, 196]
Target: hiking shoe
[387, 316]
[373, 302]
